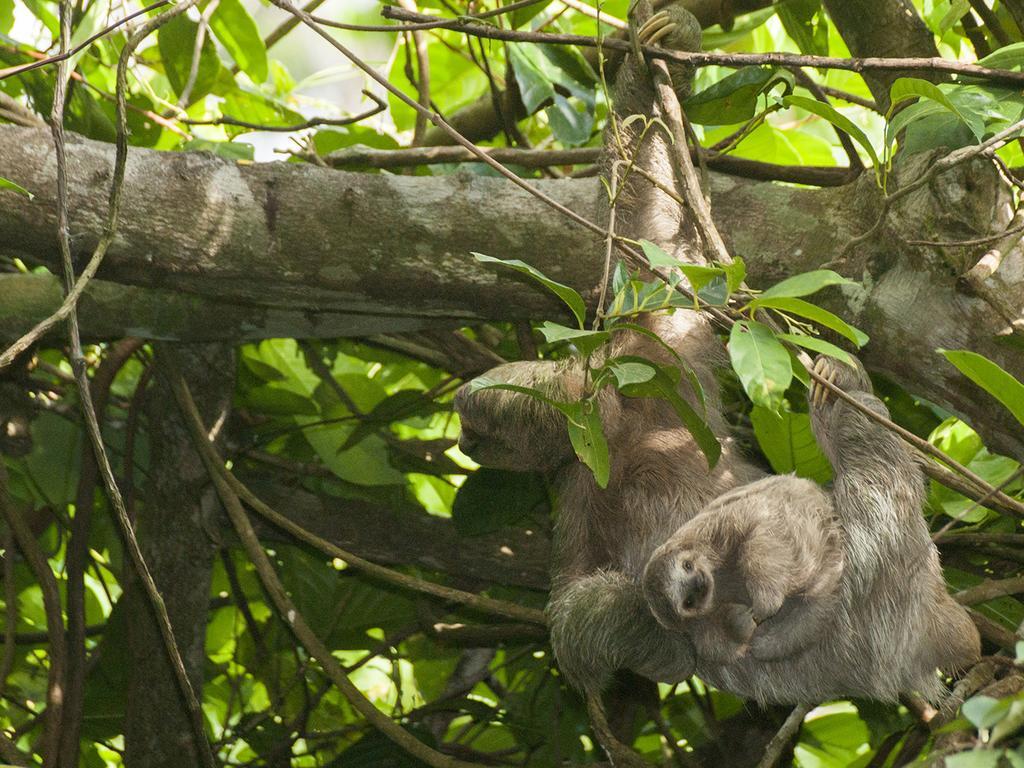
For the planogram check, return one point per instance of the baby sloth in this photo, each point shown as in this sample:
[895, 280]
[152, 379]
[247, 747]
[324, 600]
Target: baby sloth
[757, 571]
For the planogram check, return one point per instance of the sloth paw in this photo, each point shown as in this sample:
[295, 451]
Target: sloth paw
[674, 28]
[839, 374]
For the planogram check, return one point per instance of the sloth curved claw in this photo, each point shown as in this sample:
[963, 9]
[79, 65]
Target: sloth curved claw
[656, 28]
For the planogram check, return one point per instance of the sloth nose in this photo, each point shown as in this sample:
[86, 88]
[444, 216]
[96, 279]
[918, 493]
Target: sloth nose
[700, 585]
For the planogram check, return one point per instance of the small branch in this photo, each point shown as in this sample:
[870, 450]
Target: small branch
[779, 742]
[990, 590]
[932, 64]
[420, 42]
[993, 631]
[379, 106]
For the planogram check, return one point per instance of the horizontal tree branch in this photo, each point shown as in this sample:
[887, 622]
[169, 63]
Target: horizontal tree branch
[310, 251]
[368, 157]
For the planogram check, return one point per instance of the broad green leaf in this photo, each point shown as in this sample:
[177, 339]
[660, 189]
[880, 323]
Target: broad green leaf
[492, 499]
[699, 275]
[985, 711]
[8, 184]
[482, 382]
[733, 99]
[817, 345]
[630, 371]
[1008, 57]
[569, 295]
[904, 88]
[534, 86]
[236, 31]
[788, 443]
[664, 384]
[990, 377]
[837, 119]
[805, 283]
[522, 15]
[812, 312]
[176, 41]
[585, 341]
[587, 438]
[761, 362]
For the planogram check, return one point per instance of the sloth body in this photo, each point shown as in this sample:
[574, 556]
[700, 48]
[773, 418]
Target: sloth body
[891, 623]
[756, 571]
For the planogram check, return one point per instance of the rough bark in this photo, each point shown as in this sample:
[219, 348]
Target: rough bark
[392, 253]
[174, 528]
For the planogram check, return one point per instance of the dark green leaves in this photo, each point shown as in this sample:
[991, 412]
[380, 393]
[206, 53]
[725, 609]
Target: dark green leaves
[733, 99]
[176, 41]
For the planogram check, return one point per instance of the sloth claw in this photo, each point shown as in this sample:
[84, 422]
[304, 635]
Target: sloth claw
[656, 28]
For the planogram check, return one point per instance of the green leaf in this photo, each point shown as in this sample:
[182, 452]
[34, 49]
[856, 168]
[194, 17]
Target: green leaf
[570, 125]
[805, 283]
[904, 88]
[585, 341]
[569, 295]
[761, 362]
[522, 15]
[1008, 57]
[984, 711]
[817, 345]
[176, 40]
[6, 16]
[837, 119]
[812, 312]
[664, 384]
[630, 371]
[733, 99]
[657, 257]
[8, 184]
[534, 86]
[788, 443]
[587, 438]
[236, 31]
[492, 499]
[735, 274]
[797, 17]
[990, 377]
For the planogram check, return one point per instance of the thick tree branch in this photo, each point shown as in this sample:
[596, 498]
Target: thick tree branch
[392, 254]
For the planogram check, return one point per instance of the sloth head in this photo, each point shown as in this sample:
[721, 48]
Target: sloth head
[679, 585]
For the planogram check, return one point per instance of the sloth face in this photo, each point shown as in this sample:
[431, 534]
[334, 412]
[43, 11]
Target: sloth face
[693, 585]
[678, 585]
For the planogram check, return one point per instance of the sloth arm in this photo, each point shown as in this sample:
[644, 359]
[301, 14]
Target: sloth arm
[601, 623]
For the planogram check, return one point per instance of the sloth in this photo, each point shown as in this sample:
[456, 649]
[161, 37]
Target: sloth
[892, 623]
[756, 571]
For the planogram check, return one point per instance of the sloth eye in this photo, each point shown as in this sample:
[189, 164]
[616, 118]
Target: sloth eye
[688, 565]
[688, 603]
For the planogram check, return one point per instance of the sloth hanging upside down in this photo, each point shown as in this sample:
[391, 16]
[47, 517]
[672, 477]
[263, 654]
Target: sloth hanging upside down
[797, 594]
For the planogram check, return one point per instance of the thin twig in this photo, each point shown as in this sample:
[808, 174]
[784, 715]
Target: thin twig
[420, 42]
[773, 751]
[286, 609]
[379, 106]
[702, 59]
[431, 23]
[78, 362]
